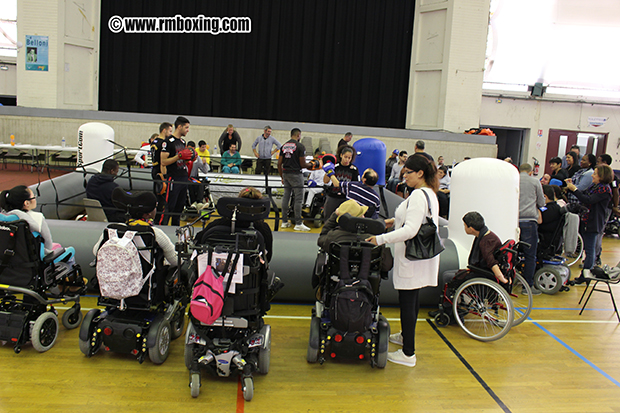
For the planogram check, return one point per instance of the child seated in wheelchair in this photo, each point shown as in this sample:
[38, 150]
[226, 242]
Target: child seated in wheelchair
[142, 213]
[481, 257]
[21, 202]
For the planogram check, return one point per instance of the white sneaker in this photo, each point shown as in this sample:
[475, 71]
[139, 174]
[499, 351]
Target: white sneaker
[397, 338]
[285, 225]
[301, 227]
[399, 357]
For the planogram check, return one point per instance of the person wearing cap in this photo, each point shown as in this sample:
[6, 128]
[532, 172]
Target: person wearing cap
[142, 215]
[263, 148]
[332, 232]
[390, 162]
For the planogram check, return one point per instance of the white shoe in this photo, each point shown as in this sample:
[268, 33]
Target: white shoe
[399, 357]
[397, 338]
[301, 227]
[285, 225]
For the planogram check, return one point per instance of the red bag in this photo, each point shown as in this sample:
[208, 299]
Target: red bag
[208, 296]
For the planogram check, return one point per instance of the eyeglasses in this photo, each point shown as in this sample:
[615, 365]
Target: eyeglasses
[30, 199]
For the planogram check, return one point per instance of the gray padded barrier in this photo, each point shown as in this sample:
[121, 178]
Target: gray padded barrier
[293, 260]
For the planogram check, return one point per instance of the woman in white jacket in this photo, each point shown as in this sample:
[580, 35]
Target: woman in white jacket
[410, 276]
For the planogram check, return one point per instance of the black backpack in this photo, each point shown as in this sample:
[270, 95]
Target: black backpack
[352, 300]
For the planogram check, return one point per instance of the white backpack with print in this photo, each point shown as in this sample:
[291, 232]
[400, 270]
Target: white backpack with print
[119, 270]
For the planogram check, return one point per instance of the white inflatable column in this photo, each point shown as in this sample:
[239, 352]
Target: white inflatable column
[95, 145]
[490, 187]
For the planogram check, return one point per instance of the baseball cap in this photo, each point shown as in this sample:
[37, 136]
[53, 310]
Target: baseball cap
[351, 207]
[395, 151]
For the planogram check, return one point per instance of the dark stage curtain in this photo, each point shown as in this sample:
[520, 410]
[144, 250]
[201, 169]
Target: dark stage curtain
[320, 61]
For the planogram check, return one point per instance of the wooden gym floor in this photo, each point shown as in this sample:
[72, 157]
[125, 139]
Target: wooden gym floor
[557, 361]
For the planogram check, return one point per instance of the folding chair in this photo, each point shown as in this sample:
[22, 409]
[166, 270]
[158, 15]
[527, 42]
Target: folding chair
[595, 281]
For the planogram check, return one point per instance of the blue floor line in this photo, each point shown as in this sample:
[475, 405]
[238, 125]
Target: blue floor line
[614, 381]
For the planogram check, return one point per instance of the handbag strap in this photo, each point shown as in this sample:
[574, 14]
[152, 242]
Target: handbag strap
[428, 202]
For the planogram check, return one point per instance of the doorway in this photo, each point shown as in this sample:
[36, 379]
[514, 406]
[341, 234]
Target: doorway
[561, 140]
[509, 143]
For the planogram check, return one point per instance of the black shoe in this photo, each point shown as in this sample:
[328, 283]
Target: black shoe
[579, 280]
[433, 313]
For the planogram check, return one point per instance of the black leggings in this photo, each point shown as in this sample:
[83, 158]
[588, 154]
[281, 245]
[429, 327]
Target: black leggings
[409, 308]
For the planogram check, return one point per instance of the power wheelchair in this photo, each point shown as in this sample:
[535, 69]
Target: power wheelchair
[238, 341]
[144, 324]
[31, 283]
[346, 319]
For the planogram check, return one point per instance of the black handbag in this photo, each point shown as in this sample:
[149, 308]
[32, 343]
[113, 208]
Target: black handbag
[426, 244]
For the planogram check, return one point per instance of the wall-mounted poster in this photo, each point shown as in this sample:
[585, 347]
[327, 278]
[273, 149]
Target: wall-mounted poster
[37, 53]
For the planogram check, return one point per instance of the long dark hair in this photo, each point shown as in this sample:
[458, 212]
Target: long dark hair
[345, 149]
[14, 198]
[417, 162]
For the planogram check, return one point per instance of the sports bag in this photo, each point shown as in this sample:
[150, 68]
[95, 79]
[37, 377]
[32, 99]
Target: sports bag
[351, 306]
[352, 299]
[208, 296]
[119, 271]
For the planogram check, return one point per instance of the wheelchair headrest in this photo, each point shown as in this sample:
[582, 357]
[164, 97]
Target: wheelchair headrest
[360, 225]
[134, 202]
[8, 218]
[246, 209]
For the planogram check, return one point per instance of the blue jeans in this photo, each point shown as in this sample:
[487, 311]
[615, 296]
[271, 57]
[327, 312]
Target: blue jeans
[589, 247]
[529, 234]
[293, 182]
[230, 170]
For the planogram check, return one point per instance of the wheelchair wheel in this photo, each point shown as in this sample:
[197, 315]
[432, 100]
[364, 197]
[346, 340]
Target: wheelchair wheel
[313, 342]
[194, 384]
[72, 317]
[548, 280]
[91, 345]
[44, 332]
[442, 319]
[318, 221]
[572, 258]
[177, 323]
[264, 354]
[248, 388]
[159, 352]
[383, 342]
[521, 303]
[483, 309]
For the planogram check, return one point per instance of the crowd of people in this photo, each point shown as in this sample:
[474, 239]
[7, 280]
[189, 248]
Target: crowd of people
[575, 181]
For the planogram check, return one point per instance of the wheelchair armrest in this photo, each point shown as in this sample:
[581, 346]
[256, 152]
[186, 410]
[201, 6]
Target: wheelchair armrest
[481, 270]
[49, 258]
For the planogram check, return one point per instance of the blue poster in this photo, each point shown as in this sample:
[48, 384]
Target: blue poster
[37, 53]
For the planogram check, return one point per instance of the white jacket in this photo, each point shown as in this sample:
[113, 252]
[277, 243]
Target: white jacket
[408, 217]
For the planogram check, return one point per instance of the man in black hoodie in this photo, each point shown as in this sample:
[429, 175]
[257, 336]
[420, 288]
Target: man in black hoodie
[100, 187]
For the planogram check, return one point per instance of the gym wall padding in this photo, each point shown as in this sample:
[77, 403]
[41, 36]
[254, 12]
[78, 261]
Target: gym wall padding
[293, 260]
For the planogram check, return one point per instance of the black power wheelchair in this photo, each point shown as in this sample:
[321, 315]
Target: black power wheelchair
[346, 320]
[238, 341]
[146, 323]
[31, 282]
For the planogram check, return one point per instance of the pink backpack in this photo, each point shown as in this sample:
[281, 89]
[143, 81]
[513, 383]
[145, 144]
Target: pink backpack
[208, 296]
